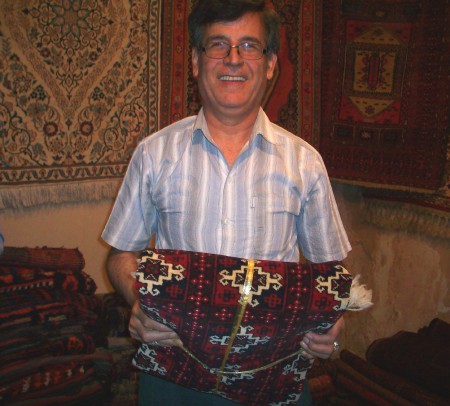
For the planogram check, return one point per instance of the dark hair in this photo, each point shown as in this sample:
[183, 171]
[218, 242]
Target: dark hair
[207, 12]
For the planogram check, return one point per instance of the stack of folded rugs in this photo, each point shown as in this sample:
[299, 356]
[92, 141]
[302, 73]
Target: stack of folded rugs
[408, 368]
[51, 330]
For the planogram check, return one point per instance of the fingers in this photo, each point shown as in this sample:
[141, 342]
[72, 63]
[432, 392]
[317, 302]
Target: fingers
[337, 328]
[146, 330]
[313, 349]
[166, 343]
[322, 345]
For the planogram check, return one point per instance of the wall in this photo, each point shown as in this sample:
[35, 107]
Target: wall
[408, 273]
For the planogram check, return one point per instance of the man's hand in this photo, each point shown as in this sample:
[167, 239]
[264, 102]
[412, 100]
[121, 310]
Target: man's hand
[322, 345]
[146, 330]
[120, 266]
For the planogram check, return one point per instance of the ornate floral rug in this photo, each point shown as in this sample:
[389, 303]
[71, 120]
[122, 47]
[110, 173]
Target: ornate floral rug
[78, 90]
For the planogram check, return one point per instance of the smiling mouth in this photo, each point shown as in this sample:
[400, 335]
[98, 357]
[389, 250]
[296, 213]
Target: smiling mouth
[227, 78]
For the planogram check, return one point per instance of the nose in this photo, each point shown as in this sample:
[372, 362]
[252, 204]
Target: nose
[234, 56]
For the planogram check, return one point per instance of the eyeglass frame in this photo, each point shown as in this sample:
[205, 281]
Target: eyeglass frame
[238, 46]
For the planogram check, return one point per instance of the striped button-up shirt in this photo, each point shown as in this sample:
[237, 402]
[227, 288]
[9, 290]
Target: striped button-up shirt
[275, 198]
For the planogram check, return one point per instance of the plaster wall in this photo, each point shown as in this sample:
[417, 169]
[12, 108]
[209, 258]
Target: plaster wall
[408, 273]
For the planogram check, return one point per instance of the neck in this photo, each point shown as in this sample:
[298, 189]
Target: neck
[230, 134]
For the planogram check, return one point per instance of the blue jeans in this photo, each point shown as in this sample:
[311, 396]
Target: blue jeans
[159, 392]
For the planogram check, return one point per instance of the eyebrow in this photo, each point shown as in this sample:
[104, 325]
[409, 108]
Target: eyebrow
[227, 39]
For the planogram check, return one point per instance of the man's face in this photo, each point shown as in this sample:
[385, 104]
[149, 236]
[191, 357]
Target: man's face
[233, 85]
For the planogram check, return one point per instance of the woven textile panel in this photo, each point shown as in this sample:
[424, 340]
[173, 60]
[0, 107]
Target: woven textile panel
[240, 321]
[78, 90]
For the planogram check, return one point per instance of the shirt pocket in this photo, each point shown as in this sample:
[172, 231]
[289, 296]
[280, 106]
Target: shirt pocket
[175, 194]
[274, 223]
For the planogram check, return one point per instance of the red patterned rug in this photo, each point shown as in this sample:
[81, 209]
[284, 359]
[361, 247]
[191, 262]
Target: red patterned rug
[385, 88]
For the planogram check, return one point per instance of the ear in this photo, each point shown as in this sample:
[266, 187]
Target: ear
[271, 64]
[194, 58]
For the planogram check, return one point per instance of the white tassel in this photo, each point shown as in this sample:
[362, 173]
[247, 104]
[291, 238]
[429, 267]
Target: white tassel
[360, 296]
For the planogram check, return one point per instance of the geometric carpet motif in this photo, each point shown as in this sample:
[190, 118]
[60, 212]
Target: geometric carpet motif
[384, 92]
[78, 88]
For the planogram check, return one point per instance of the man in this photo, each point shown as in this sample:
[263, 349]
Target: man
[226, 181]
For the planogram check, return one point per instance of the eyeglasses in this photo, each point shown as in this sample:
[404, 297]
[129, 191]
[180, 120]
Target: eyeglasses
[221, 49]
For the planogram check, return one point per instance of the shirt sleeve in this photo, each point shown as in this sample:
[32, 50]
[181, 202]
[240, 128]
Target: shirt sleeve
[322, 236]
[131, 223]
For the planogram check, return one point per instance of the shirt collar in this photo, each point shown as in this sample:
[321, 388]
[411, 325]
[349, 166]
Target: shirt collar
[262, 126]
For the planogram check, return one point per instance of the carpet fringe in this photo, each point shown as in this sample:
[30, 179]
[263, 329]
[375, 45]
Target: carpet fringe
[23, 197]
[408, 217]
